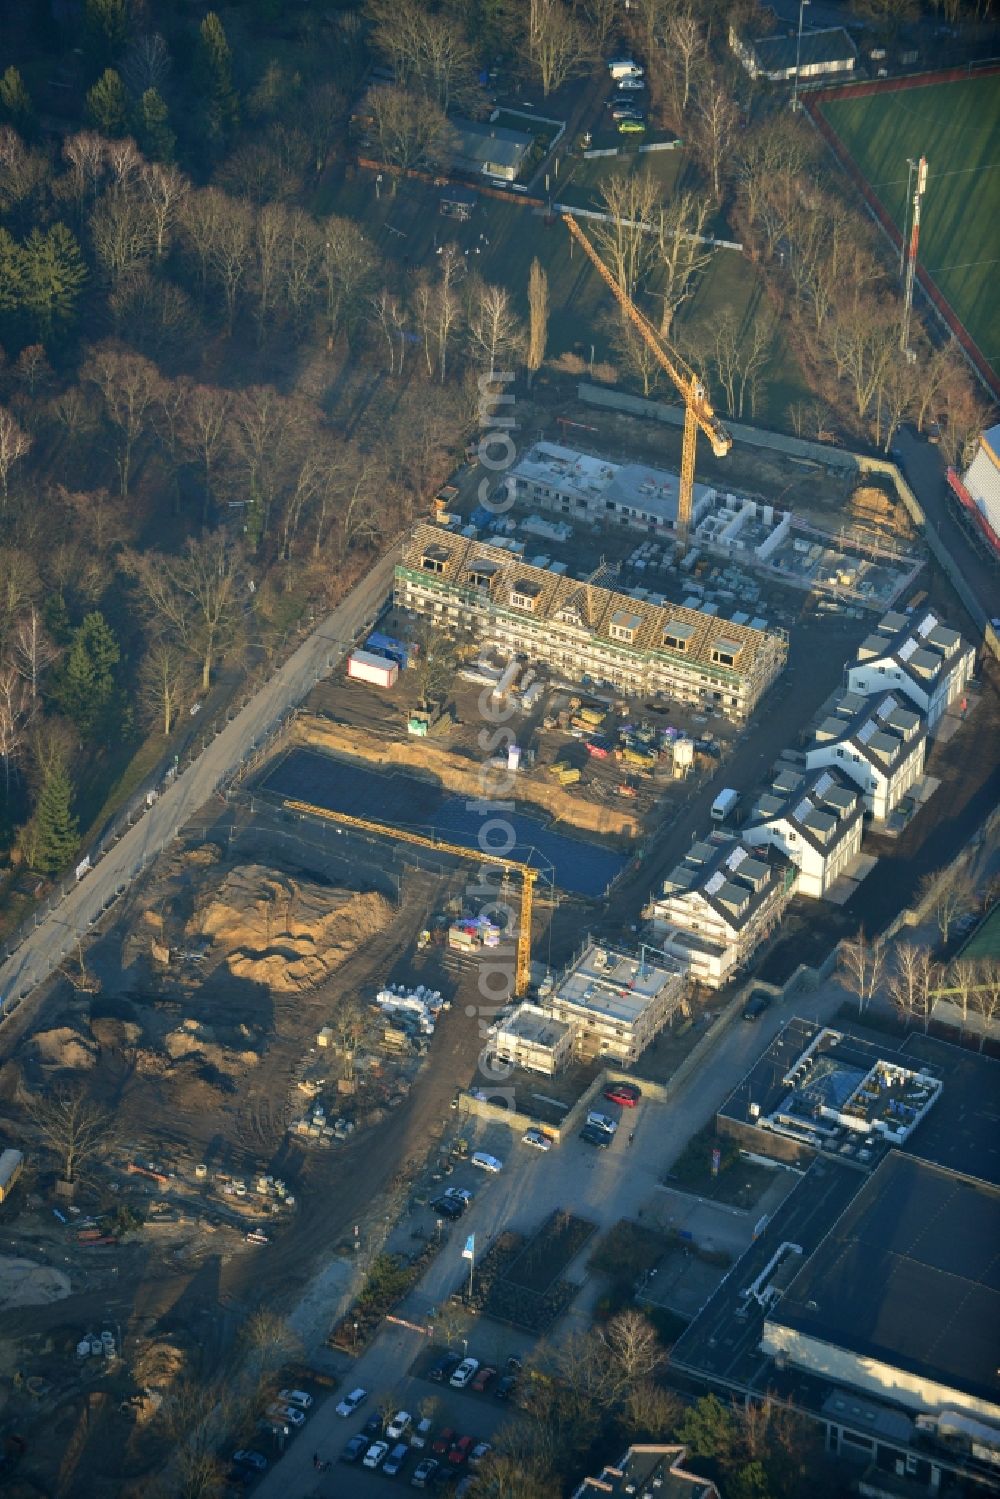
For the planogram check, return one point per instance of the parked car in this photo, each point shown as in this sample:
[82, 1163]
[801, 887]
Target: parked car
[484, 1377]
[594, 1136]
[355, 1447]
[630, 84]
[245, 1457]
[444, 1439]
[464, 1374]
[372, 1427]
[486, 1162]
[448, 1207]
[396, 1461]
[400, 1422]
[755, 1006]
[459, 1194]
[295, 1397]
[287, 1414]
[631, 127]
[444, 1368]
[421, 1433]
[597, 1120]
[350, 1403]
[620, 112]
[626, 1094]
[480, 1451]
[424, 1472]
[460, 1451]
[538, 1138]
[375, 1454]
[504, 1387]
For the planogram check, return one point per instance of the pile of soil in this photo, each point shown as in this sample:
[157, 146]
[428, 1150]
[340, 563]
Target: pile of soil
[63, 1048]
[194, 1040]
[284, 933]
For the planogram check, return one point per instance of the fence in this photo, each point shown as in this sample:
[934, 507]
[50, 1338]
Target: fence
[610, 218]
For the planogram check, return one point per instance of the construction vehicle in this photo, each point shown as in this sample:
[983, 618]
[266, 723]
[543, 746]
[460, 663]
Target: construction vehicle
[698, 410]
[529, 875]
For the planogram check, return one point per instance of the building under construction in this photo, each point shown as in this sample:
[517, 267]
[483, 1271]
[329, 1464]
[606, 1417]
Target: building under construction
[584, 629]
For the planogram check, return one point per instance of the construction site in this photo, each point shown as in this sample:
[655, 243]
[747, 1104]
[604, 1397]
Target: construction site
[283, 1015]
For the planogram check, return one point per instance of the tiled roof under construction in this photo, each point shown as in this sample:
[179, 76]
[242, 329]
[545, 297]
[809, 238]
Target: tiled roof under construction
[595, 605]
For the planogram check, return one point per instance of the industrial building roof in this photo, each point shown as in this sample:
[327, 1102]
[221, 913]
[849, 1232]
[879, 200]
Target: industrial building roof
[909, 1276]
[614, 985]
[468, 563]
[648, 1469]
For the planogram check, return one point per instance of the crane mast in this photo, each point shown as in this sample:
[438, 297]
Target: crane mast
[522, 972]
[698, 410]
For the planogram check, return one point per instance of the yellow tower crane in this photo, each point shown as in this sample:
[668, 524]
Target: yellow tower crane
[522, 970]
[698, 411]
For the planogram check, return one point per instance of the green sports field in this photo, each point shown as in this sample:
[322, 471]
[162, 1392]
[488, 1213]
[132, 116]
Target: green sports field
[957, 127]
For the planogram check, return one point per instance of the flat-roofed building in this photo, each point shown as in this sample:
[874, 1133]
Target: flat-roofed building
[720, 903]
[648, 1468]
[878, 743]
[815, 820]
[533, 1039]
[583, 629]
[615, 1002]
[918, 656]
[901, 1300]
[582, 487]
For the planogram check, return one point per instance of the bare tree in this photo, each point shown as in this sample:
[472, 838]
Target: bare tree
[410, 129]
[203, 425]
[428, 50]
[910, 981]
[146, 63]
[164, 189]
[269, 1341]
[636, 357]
[633, 1348]
[716, 119]
[201, 217]
[15, 444]
[987, 999]
[123, 232]
[495, 331]
[558, 46]
[538, 315]
[129, 384]
[166, 683]
[740, 354]
[448, 304]
[73, 1127]
[193, 597]
[346, 269]
[687, 49]
[17, 707]
[650, 1410]
[963, 980]
[950, 894]
[231, 253]
[34, 652]
[680, 228]
[624, 241]
[861, 966]
[86, 156]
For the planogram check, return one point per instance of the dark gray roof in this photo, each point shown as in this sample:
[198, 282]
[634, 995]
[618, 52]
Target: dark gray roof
[820, 806]
[776, 54]
[491, 144]
[734, 879]
[909, 1276]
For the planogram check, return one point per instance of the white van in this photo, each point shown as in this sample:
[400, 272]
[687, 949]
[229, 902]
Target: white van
[624, 68]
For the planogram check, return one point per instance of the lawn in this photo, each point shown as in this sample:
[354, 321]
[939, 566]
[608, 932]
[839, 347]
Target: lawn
[957, 127]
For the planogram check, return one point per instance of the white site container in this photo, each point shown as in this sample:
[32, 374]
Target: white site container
[363, 666]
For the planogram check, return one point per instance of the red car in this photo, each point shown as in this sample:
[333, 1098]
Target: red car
[597, 749]
[483, 1378]
[627, 1094]
[461, 1450]
[444, 1441]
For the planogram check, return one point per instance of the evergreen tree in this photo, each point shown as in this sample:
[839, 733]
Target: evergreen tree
[52, 276]
[216, 66]
[87, 681]
[11, 273]
[153, 128]
[107, 104]
[107, 26]
[56, 834]
[708, 1429]
[15, 101]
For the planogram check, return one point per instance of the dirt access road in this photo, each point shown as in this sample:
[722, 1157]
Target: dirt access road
[45, 947]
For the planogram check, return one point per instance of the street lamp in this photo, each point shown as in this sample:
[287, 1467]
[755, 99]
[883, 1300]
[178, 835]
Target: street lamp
[798, 55]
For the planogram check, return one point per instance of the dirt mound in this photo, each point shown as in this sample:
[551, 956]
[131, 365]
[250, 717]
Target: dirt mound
[63, 1047]
[194, 1040]
[284, 933]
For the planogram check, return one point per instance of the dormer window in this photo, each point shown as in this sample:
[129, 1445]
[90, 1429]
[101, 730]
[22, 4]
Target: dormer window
[524, 594]
[624, 625]
[677, 634]
[724, 652]
[434, 559]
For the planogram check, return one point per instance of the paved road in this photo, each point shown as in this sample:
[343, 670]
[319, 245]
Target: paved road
[596, 1184]
[924, 469]
[45, 946]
